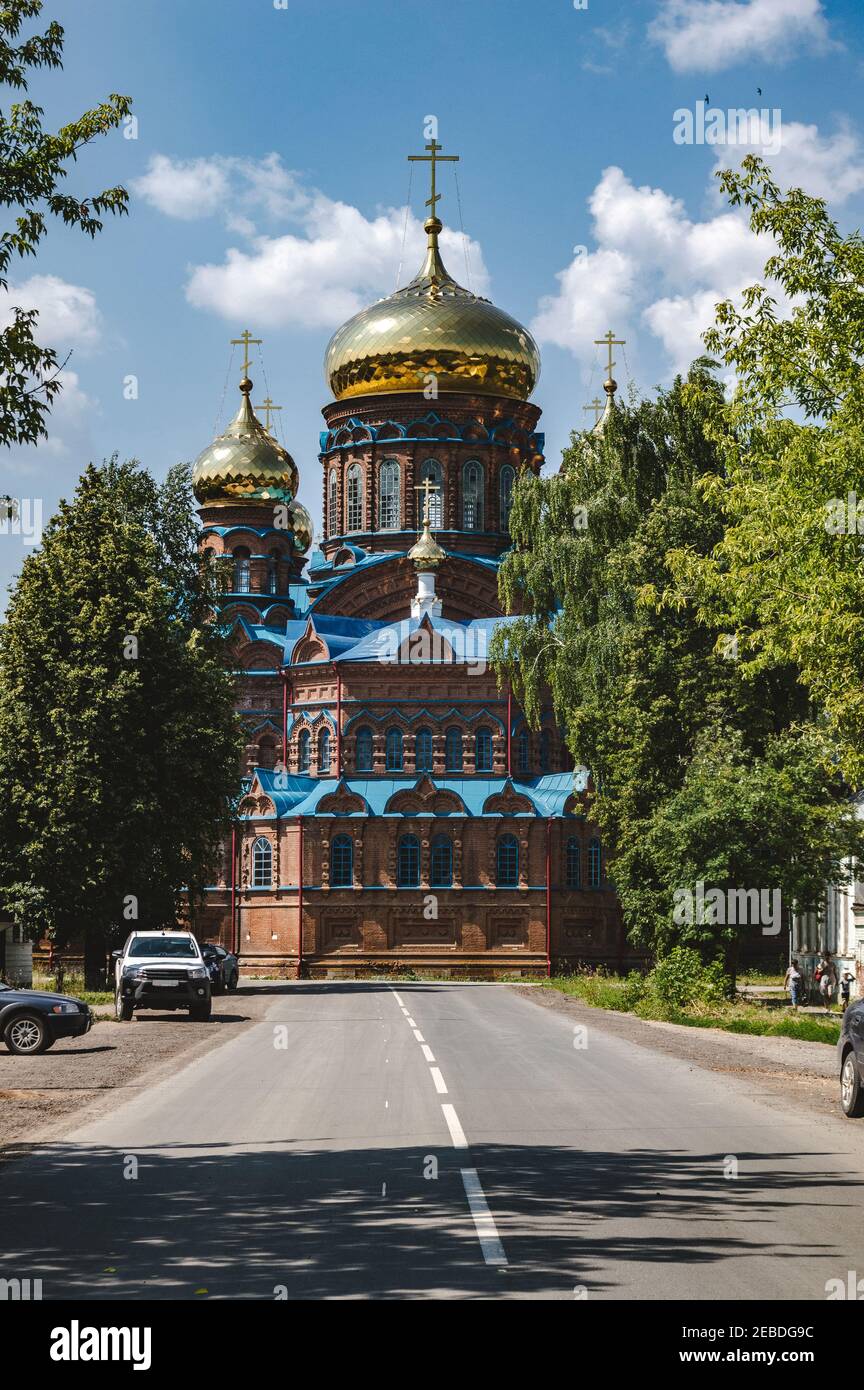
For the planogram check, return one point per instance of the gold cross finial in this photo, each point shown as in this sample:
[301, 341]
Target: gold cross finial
[597, 406]
[245, 341]
[268, 407]
[433, 158]
[427, 487]
[609, 341]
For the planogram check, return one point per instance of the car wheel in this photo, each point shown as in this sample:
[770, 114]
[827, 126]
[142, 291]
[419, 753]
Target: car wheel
[199, 1013]
[217, 986]
[232, 983]
[123, 1008]
[851, 1094]
[26, 1035]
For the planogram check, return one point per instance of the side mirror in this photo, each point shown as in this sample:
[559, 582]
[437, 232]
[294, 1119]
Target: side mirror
[115, 955]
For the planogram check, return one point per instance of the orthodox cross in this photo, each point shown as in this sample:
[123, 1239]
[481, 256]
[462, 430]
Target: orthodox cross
[610, 341]
[597, 406]
[268, 407]
[427, 487]
[433, 158]
[245, 341]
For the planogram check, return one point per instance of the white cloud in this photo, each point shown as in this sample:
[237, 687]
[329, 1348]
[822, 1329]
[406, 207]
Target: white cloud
[68, 314]
[653, 268]
[332, 262]
[830, 167]
[709, 35]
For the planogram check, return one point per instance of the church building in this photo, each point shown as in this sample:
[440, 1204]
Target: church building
[397, 811]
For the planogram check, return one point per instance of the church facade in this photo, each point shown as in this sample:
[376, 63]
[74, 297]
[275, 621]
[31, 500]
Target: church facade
[397, 811]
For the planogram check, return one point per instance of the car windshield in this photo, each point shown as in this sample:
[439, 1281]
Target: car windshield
[2, 986]
[171, 947]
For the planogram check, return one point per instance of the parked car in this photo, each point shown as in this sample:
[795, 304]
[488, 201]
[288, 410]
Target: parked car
[223, 968]
[31, 1020]
[850, 1055]
[161, 970]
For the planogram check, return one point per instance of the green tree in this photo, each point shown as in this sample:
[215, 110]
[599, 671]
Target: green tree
[119, 744]
[643, 686]
[787, 575]
[33, 165]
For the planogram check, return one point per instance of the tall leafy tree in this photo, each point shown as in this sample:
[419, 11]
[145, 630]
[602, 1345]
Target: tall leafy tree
[33, 166]
[119, 744]
[787, 574]
[645, 688]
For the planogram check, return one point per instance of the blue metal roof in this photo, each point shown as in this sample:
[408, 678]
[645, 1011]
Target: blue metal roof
[300, 796]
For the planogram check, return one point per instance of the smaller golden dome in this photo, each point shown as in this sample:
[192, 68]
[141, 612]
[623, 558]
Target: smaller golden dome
[301, 527]
[426, 553]
[244, 463]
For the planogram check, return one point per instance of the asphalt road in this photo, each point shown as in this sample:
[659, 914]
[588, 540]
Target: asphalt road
[422, 1140]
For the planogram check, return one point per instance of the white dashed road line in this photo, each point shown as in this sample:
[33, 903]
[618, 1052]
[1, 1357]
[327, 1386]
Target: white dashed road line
[428, 1053]
[457, 1133]
[440, 1087]
[484, 1222]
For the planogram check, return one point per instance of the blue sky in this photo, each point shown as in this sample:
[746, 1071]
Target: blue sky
[269, 186]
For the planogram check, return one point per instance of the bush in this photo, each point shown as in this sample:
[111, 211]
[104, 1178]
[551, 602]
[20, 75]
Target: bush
[680, 979]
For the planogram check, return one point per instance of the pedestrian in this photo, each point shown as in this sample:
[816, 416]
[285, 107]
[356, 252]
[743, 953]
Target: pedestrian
[792, 983]
[827, 980]
[847, 980]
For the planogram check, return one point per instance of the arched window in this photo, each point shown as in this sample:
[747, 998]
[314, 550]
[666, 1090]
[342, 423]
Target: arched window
[332, 503]
[273, 572]
[324, 751]
[545, 750]
[524, 751]
[483, 750]
[472, 496]
[506, 479]
[304, 751]
[441, 863]
[453, 749]
[363, 757]
[595, 864]
[241, 570]
[408, 862]
[341, 862]
[394, 750]
[355, 498]
[262, 863]
[388, 496]
[432, 469]
[573, 863]
[423, 750]
[267, 752]
[507, 862]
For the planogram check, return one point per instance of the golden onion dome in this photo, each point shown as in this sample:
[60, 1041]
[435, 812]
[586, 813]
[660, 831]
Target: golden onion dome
[301, 527]
[432, 328]
[244, 463]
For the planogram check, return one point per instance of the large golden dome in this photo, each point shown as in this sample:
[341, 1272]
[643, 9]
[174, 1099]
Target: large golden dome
[432, 327]
[244, 463]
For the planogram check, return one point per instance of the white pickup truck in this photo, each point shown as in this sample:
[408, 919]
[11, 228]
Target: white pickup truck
[161, 970]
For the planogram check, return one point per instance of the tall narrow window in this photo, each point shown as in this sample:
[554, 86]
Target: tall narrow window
[441, 863]
[595, 864]
[332, 504]
[388, 496]
[524, 751]
[355, 498]
[262, 863]
[432, 469]
[423, 750]
[324, 751]
[453, 750]
[507, 862]
[573, 863]
[483, 750]
[408, 862]
[273, 572]
[506, 479]
[394, 750]
[341, 862]
[304, 750]
[472, 496]
[241, 571]
[545, 750]
[364, 750]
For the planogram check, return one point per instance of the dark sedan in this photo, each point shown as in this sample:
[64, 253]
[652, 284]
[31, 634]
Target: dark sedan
[31, 1020]
[222, 967]
[850, 1055]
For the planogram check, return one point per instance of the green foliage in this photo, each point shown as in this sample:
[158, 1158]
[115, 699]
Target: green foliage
[33, 165]
[786, 576]
[119, 744]
[681, 978]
